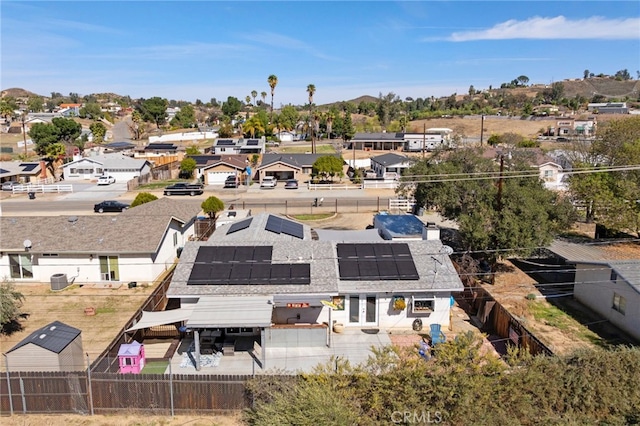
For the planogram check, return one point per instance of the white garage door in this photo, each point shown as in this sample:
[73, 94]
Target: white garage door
[218, 178]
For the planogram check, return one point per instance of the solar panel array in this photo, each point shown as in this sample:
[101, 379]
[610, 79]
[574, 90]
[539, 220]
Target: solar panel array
[252, 142]
[238, 226]
[225, 142]
[28, 167]
[375, 262]
[242, 265]
[279, 225]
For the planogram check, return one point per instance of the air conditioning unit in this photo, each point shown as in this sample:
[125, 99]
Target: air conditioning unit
[105, 276]
[59, 281]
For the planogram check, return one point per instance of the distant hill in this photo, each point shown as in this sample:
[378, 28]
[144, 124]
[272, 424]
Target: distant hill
[18, 93]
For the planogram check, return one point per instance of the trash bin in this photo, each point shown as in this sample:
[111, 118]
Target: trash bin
[32, 195]
[133, 284]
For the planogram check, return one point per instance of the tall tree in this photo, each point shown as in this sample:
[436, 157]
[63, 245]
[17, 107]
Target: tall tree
[253, 126]
[496, 216]
[254, 94]
[185, 118]
[263, 95]
[231, 107]
[273, 82]
[288, 118]
[68, 129]
[154, 110]
[35, 104]
[328, 166]
[99, 131]
[330, 117]
[311, 90]
[347, 127]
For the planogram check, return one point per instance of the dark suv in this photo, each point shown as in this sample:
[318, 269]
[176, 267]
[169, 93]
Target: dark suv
[231, 182]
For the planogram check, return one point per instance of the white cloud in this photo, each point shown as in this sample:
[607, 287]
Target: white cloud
[555, 28]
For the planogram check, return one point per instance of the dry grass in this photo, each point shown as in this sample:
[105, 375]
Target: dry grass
[120, 420]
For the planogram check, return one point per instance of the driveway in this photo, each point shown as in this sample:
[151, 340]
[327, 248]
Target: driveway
[91, 191]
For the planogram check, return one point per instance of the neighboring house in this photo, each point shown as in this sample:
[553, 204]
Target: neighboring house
[550, 171]
[380, 141]
[239, 146]
[271, 280]
[286, 136]
[184, 136]
[23, 172]
[171, 112]
[612, 289]
[120, 166]
[288, 166]
[390, 165]
[608, 108]
[69, 110]
[609, 287]
[138, 244]
[125, 148]
[54, 347]
[215, 169]
[432, 139]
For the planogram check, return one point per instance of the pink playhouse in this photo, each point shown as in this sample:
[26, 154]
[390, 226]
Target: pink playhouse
[131, 357]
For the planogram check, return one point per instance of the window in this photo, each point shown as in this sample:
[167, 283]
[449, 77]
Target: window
[175, 239]
[128, 361]
[614, 275]
[423, 305]
[20, 265]
[619, 303]
[49, 254]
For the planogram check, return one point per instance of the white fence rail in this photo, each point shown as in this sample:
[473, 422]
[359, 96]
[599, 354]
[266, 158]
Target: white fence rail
[402, 204]
[386, 184]
[331, 186]
[20, 189]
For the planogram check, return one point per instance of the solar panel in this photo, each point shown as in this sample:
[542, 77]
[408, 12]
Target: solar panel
[225, 142]
[368, 270]
[387, 268]
[28, 167]
[220, 273]
[243, 254]
[260, 274]
[400, 250]
[252, 142]
[300, 273]
[293, 229]
[365, 251]
[375, 262]
[280, 273]
[239, 226]
[346, 251]
[274, 224]
[262, 253]
[240, 274]
[407, 270]
[348, 270]
[382, 250]
[199, 275]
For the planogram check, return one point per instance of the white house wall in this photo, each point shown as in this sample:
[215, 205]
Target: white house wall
[594, 288]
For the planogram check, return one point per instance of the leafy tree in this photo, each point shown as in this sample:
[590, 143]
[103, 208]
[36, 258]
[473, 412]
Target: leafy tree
[35, 104]
[212, 206]
[622, 75]
[288, 118]
[192, 150]
[231, 107]
[143, 198]
[74, 98]
[497, 216]
[99, 130]
[68, 129]
[8, 107]
[328, 166]
[585, 75]
[91, 110]
[187, 166]
[523, 80]
[153, 110]
[185, 118]
[10, 303]
[273, 82]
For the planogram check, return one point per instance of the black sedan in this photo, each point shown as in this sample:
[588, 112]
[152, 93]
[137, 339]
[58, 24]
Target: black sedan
[110, 206]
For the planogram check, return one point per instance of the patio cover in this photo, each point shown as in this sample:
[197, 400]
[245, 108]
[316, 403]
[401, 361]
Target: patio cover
[314, 300]
[152, 319]
[231, 311]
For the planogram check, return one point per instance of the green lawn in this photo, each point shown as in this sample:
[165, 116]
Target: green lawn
[318, 216]
[155, 367]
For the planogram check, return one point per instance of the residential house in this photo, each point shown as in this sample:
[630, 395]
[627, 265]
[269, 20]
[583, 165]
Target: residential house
[430, 140]
[608, 108]
[612, 289]
[69, 110]
[288, 166]
[138, 244]
[215, 169]
[272, 281]
[239, 146]
[120, 166]
[390, 165]
[550, 170]
[380, 141]
[54, 347]
[22, 171]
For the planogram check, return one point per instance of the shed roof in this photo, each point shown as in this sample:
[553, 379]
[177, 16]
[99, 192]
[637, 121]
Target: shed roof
[53, 337]
[390, 159]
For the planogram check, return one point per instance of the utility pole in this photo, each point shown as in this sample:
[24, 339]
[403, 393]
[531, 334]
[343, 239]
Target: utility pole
[499, 195]
[424, 139]
[481, 128]
[24, 134]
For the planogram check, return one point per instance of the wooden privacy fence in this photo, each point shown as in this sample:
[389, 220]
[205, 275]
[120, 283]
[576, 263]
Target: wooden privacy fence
[107, 393]
[497, 318]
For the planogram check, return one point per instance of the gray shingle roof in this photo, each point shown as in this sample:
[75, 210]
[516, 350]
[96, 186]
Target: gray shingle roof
[296, 160]
[53, 337]
[379, 136]
[629, 270]
[137, 230]
[434, 268]
[390, 159]
[116, 160]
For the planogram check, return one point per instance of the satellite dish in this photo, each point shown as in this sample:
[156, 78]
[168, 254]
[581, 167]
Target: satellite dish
[447, 249]
[27, 244]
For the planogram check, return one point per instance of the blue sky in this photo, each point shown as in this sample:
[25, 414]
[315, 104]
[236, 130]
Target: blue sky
[215, 49]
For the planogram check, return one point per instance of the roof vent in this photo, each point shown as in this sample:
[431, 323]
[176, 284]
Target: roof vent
[42, 336]
[73, 219]
[53, 327]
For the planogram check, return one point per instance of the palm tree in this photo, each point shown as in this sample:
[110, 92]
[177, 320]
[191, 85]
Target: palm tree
[253, 95]
[311, 89]
[273, 82]
[330, 117]
[263, 95]
[253, 126]
[248, 100]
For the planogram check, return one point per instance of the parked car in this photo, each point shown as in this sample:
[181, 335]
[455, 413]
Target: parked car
[291, 184]
[231, 182]
[562, 139]
[183, 188]
[106, 180]
[269, 182]
[110, 206]
[8, 185]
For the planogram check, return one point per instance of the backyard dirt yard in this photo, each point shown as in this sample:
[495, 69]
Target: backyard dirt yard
[113, 307]
[120, 420]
